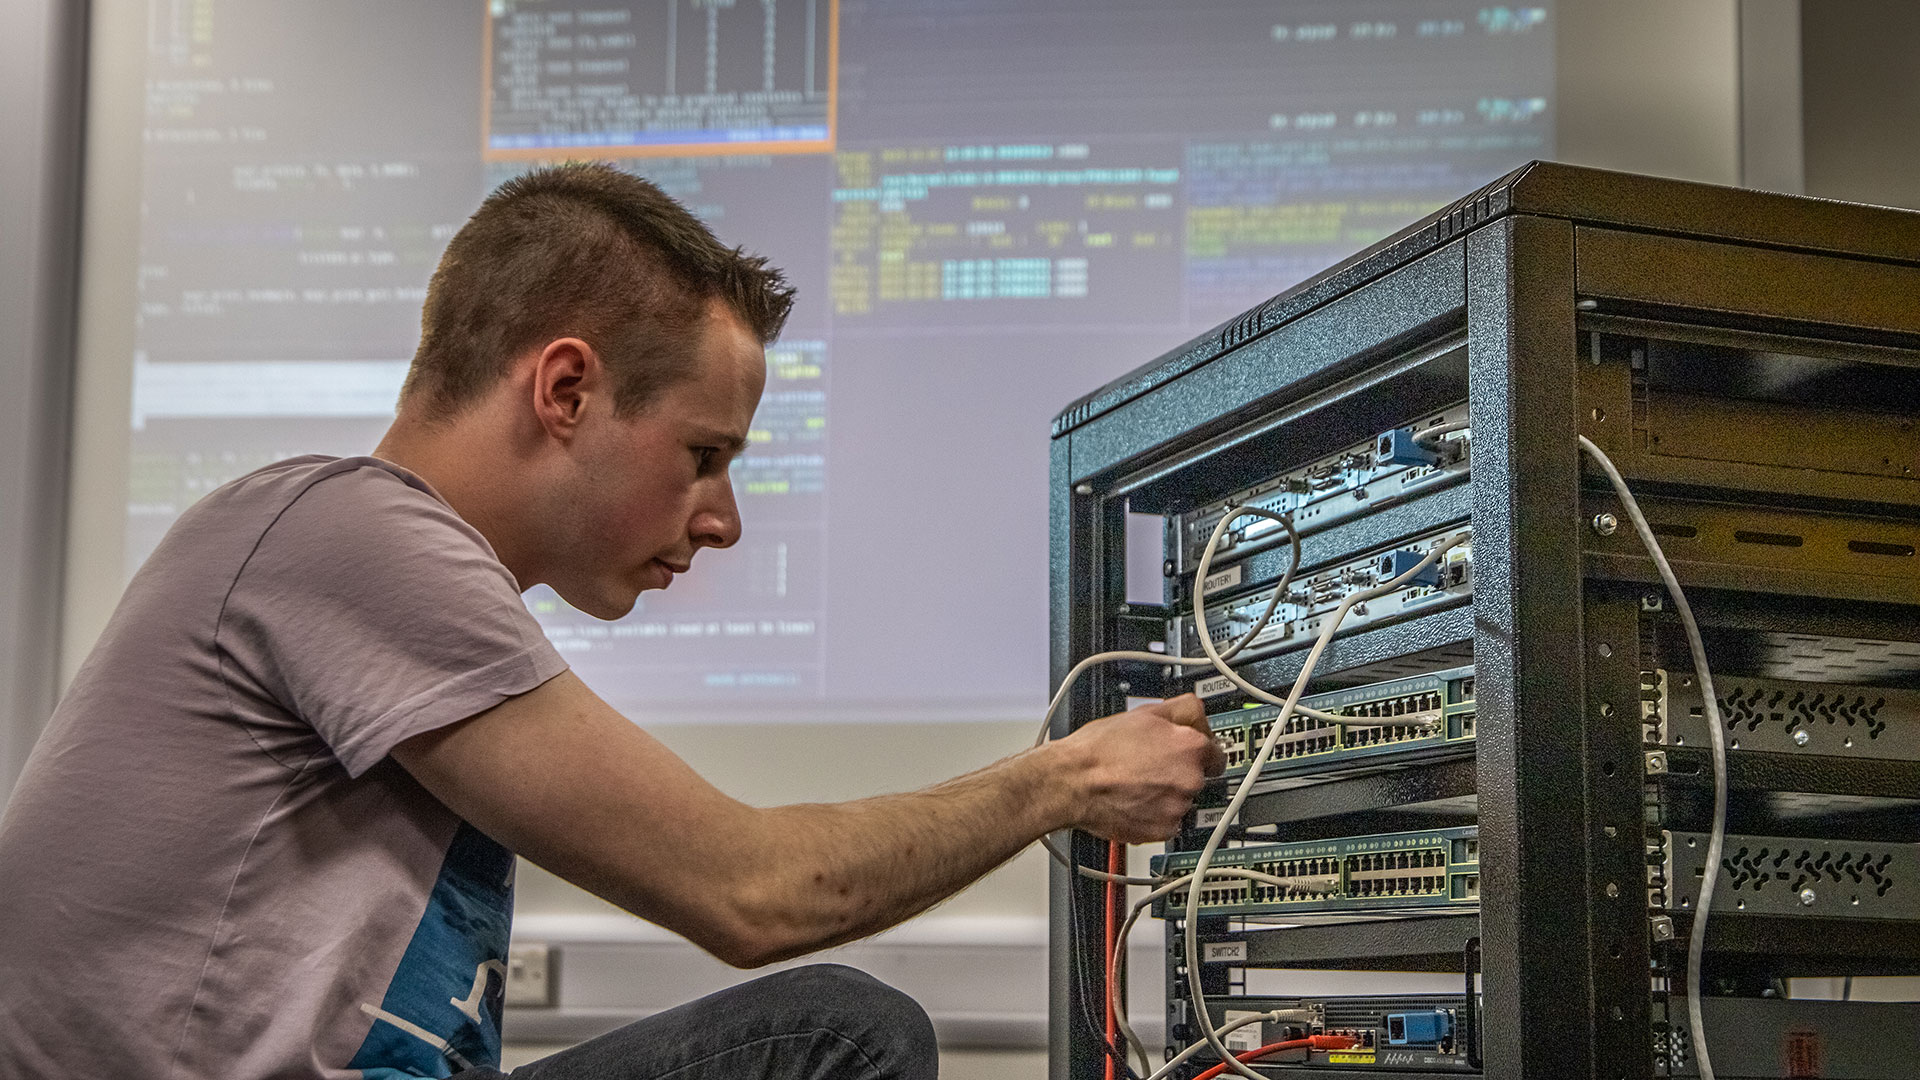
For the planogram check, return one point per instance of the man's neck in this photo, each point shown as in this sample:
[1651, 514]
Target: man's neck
[466, 471]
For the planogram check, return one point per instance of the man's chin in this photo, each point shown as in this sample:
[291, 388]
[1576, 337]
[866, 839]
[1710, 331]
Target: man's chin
[604, 607]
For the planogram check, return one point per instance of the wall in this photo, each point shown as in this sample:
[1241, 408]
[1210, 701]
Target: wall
[1650, 86]
[42, 81]
[1862, 100]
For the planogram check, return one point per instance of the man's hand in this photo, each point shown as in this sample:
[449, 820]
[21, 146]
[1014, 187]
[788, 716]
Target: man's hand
[1137, 772]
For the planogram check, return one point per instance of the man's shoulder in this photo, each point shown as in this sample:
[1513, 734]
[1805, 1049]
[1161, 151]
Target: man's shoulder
[341, 511]
[285, 482]
[340, 500]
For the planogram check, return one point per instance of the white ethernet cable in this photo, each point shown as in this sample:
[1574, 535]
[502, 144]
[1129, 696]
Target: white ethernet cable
[1716, 839]
[1289, 706]
[1232, 811]
[1431, 437]
[1213, 658]
[1119, 960]
[1178, 1059]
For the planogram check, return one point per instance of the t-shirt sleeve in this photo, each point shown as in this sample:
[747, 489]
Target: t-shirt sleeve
[372, 612]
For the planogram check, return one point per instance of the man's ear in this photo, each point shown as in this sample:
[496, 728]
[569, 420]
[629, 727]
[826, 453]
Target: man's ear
[566, 375]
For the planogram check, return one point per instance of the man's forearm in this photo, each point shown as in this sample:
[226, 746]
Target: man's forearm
[826, 874]
[558, 776]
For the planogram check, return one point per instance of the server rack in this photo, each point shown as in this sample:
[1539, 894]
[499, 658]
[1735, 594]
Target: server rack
[1751, 362]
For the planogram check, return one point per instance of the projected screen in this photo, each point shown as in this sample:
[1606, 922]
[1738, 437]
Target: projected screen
[989, 208]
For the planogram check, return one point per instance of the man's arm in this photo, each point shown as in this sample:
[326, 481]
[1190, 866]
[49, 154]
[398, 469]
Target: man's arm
[560, 777]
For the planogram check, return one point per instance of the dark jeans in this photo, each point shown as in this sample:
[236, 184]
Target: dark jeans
[821, 1022]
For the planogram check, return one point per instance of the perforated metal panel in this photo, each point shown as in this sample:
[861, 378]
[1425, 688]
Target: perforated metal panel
[1786, 717]
[1774, 875]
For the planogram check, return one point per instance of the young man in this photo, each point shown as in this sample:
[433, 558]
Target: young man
[270, 830]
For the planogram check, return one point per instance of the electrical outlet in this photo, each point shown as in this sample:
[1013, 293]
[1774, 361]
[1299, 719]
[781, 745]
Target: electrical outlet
[529, 975]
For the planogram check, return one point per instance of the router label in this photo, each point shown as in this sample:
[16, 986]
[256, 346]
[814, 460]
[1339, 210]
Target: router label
[1207, 819]
[1221, 952]
[1225, 579]
[1213, 687]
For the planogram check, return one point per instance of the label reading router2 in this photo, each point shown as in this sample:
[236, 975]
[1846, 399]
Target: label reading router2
[1213, 687]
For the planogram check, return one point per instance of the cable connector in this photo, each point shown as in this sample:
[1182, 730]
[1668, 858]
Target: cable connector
[1400, 447]
[1395, 563]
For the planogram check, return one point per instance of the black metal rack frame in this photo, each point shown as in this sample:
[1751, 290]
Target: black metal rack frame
[1557, 301]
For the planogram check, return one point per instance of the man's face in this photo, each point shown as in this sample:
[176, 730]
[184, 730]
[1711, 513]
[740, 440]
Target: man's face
[653, 488]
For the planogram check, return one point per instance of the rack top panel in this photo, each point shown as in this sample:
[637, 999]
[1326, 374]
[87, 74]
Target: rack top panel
[1547, 189]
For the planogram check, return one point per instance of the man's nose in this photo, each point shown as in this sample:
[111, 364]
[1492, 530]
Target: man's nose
[717, 524]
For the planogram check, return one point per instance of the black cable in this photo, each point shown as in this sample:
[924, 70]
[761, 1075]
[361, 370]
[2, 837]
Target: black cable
[1081, 977]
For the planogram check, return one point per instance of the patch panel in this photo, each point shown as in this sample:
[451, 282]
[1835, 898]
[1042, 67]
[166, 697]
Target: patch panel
[1412, 1031]
[1783, 717]
[1297, 619]
[1776, 875]
[1388, 873]
[1337, 487]
[1402, 719]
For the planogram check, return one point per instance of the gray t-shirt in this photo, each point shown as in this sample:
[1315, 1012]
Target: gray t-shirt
[211, 867]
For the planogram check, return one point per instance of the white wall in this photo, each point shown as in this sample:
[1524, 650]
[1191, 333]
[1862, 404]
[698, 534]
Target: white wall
[1650, 86]
[103, 374]
[1862, 100]
[42, 65]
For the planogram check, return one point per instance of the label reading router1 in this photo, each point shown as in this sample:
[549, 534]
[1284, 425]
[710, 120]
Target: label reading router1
[1225, 579]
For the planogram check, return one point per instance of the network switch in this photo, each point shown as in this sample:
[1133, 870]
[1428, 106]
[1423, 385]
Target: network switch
[1779, 875]
[1402, 720]
[1297, 619]
[1782, 717]
[1366, 476]
[1389, 873]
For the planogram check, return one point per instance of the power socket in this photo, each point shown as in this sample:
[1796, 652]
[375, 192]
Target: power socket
[530, 976]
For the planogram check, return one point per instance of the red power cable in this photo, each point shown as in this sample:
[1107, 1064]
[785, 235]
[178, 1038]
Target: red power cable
[1311, 1042]
[1115, 864]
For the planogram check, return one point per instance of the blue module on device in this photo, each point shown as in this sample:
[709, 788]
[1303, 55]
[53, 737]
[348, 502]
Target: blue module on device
[1428, 1028]
[1393, 564]
[1398, 447]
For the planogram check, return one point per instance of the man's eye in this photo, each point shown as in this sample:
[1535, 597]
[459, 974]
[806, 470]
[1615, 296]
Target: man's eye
[704, 454]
